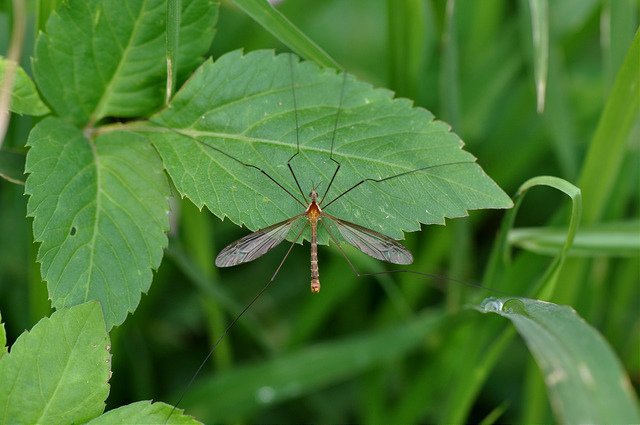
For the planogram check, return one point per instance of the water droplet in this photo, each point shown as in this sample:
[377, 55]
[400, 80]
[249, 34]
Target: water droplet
[491, 304]
[514, 306]
[585, 375]
[265, 395]
[557, 375]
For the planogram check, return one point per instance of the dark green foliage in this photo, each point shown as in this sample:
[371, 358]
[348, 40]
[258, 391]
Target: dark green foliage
[385, 349]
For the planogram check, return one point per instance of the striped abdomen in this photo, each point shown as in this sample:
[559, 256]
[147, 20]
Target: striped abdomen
[315, 274]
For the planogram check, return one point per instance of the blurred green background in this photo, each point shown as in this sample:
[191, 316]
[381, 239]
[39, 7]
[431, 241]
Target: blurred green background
[472, 64]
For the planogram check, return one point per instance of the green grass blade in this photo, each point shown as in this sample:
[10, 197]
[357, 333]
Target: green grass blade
[548, 282]
[449, 84]
[285, 31]
[609, 145]
[248, 388]
[612, 239]
[3, 338]
[12, 166]
[174, 16]
[540, 30]
[407, 44]
[619, 22]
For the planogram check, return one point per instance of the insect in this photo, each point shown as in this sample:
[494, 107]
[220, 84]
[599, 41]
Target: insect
[366, 240]
[312, 216]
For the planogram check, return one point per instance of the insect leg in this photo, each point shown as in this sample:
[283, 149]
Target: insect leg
[333, 136]
[393, 177]
[234, 321]
[295, 114]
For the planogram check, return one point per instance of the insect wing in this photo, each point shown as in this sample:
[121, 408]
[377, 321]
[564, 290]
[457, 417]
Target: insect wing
[255, 245]
[372, 243]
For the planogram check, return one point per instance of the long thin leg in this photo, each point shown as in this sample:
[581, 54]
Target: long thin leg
[295, 114]
[392, 177]
[333, 136]
[234, 321]
[255, 167]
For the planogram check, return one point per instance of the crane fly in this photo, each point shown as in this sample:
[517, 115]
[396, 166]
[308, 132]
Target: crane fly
[366, 240]
[262, 241]
[258, 243]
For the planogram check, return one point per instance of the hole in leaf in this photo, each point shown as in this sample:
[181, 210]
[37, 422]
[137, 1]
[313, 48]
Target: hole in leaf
[73, 230]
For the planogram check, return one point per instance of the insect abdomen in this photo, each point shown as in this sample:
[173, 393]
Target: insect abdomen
[315, 274]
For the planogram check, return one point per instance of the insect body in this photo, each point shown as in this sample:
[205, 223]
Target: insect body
[366, 240]
[313, 214]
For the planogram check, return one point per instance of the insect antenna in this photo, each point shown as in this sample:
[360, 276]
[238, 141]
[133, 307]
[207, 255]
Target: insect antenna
[295, 114]
[234, 321]
[333, 135]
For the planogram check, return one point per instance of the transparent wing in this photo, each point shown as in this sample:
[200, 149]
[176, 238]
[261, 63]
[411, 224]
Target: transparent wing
[372, 243]
[255, 245]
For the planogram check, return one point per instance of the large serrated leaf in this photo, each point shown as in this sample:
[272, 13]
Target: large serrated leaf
[24, 96]
[100, 212]
[58, 372]
[585, 380]
[144, 413]
[106, 58]
[243, 106]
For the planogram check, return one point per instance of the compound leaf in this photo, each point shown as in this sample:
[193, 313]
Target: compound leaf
[57, 372]
[107, 58]
[145, 413]
[243, 107]
[24, 96]
[100, 212]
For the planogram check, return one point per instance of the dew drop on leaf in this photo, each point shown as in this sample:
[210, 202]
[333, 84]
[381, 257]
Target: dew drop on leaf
[265, 395]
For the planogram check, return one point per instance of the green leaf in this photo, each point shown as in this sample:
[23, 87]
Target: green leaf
[611, 239]
[585, 381]
[107, 58]
[242, 106]
[12, 166]
[248, 388]
[143, 413]
[24, 96]
[100, 212]
[57, 372]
